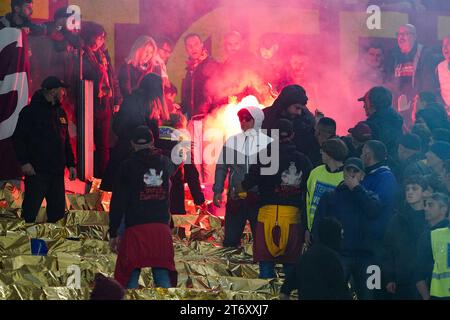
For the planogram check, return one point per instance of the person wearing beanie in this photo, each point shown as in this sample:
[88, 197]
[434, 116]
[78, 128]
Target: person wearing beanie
[432, 118]
[437, 155]
[291, 105]
[106, 288]
[141, 198]
[379, 179]
[386, 124]
[325, 177]
[401, 240]
[281, 216]
[411, 160]
[356, 138]
[355, 208]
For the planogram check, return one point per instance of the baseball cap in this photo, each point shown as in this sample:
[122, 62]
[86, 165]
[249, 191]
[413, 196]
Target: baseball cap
[142, 135]
[361, 132]
[380, 97]
[61, 13]
[53, 82]
[354, 163]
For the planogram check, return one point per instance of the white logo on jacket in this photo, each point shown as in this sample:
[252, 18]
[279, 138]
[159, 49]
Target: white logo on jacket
[152, 179]
[290, 177]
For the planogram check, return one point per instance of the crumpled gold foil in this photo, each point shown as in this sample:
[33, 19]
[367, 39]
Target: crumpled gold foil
[87, 218]
[15, 244]
[80, 240]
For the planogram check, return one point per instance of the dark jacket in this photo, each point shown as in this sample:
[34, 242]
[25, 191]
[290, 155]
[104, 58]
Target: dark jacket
[353, 152]
[42, 137]
[195, 99]
[380, 179]
[92, 70]
[400, 245]
[303, 125]
[288, 186]
[415, 165]
[130, 77]
[318, 275]
[135, 111]
[424, 78]
[386, 126]
[355, 210]
[187, 172]
[141, 191]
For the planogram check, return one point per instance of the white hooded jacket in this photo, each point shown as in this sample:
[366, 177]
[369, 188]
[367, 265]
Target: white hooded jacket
[239, 152]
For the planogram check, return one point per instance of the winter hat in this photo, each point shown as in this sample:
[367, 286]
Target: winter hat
[285, 127]
[290, 95]
[431, 117]
[410, 141]
[335, 148]
[361, 132]
[441, 149]
[354, 163]
[142, 135]
[107, 289]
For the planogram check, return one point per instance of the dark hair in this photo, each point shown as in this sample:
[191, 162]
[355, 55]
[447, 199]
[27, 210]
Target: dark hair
[424, 134]
[432, 118]
[378, 149]
[160, 40]
[417, 179]
[436, 184]
[441, 134]
[335, 148]
[90, 31]
[192, 35]
[442, 198]
[171, 89]
[374, 45]
[427, 97]
[327, 122]
[330, 232]
[18, 3]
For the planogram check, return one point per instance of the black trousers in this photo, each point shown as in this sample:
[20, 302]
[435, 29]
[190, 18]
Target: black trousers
[48, 186]
[236, 215]
[102, 125]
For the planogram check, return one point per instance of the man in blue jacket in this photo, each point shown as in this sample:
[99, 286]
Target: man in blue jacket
[379, 179]
[355, 208]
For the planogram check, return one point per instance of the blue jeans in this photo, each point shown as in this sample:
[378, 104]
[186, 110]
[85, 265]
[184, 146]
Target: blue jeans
[267, 269]
[355, 269]
[160, 276]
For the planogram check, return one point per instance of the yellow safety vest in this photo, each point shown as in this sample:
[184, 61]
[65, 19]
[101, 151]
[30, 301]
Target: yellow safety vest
[440, 244]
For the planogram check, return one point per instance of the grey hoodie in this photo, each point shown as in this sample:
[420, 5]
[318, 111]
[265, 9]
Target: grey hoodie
[235, 156]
